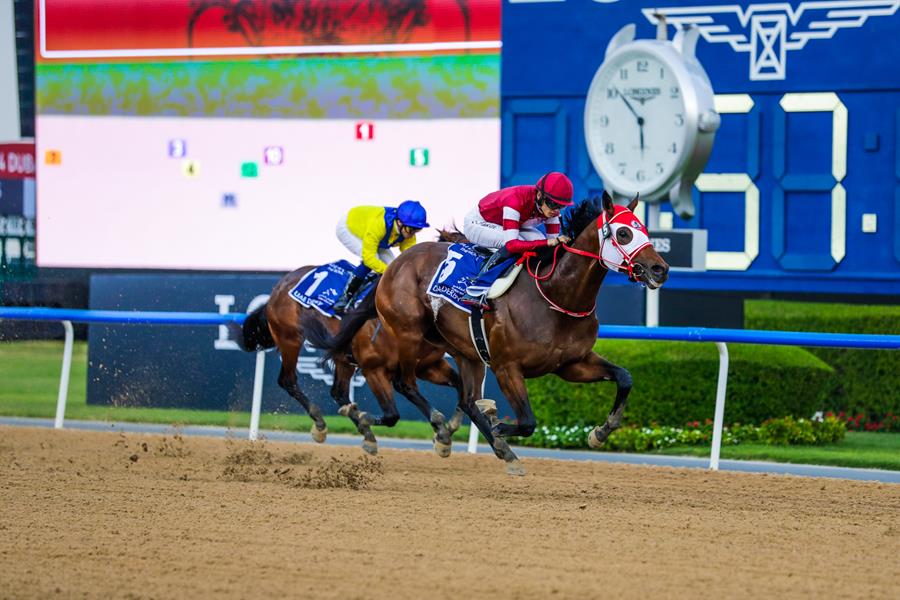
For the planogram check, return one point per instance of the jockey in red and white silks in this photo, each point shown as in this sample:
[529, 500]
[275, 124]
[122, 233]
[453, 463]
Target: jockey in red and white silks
[507, 219]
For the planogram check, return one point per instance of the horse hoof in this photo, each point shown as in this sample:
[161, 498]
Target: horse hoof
[442, 449]
[593, 441]
[318, 435]
[370, 447]
[488, 407]
[515, 467]
[345, 409]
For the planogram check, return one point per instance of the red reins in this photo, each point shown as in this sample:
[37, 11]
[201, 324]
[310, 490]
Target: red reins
[537, 278]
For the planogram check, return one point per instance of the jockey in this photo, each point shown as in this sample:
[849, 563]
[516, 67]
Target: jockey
[507, 219]
[369, 232]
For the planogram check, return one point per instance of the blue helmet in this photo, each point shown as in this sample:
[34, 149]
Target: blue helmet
[412, 214]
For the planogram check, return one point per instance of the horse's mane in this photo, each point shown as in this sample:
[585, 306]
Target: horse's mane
[575, 218]
[453, 235]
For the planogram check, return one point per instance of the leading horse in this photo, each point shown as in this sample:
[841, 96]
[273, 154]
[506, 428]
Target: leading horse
[545, 324]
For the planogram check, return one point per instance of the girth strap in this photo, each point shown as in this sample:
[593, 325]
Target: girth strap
[479, 338]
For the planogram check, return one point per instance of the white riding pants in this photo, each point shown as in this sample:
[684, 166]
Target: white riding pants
[491, 235]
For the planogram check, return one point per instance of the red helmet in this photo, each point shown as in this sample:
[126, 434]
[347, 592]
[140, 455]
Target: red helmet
[557, 187]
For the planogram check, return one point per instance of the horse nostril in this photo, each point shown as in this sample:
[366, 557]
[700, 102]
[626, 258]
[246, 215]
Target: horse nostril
[659, 270]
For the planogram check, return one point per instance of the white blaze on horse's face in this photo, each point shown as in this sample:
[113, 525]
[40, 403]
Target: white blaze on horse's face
[620, 256]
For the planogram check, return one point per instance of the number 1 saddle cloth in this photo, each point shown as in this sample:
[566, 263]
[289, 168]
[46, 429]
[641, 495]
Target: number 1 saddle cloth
[321, 287]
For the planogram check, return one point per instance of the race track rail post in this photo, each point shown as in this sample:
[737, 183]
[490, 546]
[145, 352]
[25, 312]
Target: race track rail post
[63, 394]
[719, 418]
[256, 407]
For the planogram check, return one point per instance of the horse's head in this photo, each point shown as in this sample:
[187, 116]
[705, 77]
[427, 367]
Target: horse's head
[625, 245]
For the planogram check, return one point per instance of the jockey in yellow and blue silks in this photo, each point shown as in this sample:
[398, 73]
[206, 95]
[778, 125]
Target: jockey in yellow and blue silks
[370, 232]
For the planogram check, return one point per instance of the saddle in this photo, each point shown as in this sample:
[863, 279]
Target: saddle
[502, 284]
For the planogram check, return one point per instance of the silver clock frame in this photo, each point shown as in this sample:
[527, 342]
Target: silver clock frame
[701, 119]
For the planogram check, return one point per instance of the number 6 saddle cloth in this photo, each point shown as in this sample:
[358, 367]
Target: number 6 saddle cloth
[321, 287]
[458, 271]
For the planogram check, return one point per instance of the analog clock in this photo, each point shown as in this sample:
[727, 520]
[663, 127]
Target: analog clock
[649, 120]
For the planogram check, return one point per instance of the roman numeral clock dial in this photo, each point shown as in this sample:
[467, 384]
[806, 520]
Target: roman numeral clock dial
[649, 120]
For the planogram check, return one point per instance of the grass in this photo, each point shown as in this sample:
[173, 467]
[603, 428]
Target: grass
[29, 382]
[859, 449]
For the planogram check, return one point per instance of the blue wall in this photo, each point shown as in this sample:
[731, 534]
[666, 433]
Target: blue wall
[552, 49]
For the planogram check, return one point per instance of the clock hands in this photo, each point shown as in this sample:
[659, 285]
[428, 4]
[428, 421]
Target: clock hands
[640, 119]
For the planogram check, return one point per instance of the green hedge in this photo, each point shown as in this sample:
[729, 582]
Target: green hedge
[675, 382]
[864, 381]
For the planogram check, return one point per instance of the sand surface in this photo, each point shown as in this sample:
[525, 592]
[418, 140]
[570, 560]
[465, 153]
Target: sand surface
[105, 515]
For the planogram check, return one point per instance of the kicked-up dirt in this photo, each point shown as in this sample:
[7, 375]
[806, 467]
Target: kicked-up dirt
[104, 515]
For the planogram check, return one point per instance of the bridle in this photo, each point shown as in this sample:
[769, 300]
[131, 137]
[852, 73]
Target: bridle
[639, 240]
[606, 231]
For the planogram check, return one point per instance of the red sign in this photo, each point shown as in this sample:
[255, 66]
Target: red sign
[17, 160]
[365, 130]
[74, 29]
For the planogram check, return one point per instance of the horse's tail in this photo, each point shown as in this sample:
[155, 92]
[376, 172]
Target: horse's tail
[453, 235]
[254, 334]
[318, 336]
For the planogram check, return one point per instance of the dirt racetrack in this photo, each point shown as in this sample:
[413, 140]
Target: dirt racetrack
[106, 515]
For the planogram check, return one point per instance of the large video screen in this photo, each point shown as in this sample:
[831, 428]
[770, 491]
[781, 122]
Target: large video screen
[234, 134]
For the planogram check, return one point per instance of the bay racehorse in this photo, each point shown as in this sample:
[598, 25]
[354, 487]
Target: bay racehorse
[282, 322]
[546, 323]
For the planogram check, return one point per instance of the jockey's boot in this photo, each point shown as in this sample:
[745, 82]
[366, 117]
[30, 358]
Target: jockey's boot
[346, 298]
[476, 295]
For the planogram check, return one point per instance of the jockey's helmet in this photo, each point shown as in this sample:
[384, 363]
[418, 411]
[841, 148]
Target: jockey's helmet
[412, 214]
[556, 187]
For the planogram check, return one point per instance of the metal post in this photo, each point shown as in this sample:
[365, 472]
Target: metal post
[720, 406]
[257, 394]
[64, 376]
[651, 308]
[473, 430]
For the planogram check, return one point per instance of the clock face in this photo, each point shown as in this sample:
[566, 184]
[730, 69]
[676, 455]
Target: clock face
[635, 122]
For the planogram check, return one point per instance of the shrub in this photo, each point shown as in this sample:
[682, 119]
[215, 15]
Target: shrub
[784, 431]
[676, 381]
[864, 381]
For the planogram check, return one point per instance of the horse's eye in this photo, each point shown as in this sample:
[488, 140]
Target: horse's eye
[624, 235]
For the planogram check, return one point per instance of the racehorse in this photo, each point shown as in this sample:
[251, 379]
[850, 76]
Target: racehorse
[284, 323]
[546, 322]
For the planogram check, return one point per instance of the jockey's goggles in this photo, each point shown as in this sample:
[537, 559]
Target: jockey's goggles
[550, 203]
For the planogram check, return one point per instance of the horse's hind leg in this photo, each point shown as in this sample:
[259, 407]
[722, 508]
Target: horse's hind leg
[441, 373]
[472, 373]
[287, 379]
[380, 384]
[596, 368]
[340, 392]
[442, 435]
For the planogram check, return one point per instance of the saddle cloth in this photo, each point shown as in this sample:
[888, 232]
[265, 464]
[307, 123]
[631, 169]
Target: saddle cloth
[321, 287]
[458, 271]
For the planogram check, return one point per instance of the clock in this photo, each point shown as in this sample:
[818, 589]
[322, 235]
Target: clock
[649, 118]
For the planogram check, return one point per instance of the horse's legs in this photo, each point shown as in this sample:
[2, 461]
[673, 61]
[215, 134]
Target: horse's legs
[471, 373]
[287, 379]
[596, 368]
[340, 392]
[512, 384]
[442, 435]
[380, 383]
[441, 373]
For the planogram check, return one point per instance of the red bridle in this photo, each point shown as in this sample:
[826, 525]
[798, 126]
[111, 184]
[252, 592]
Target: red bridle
[627, 266]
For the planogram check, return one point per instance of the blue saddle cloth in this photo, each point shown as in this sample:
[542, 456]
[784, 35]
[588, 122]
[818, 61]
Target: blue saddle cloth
[457, 273]
[321, 287]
